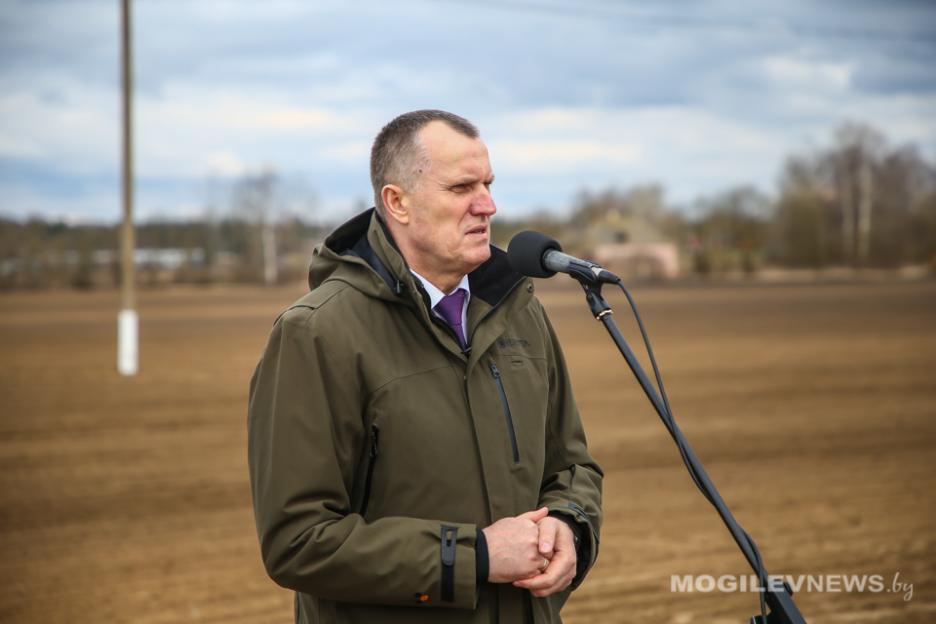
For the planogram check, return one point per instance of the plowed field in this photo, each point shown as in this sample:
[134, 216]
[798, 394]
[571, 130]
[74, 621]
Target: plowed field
[813, 408]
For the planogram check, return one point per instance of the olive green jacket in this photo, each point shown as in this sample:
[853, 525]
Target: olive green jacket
[377, 447]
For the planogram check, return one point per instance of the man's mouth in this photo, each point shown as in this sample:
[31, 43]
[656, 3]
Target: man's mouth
[479, 229]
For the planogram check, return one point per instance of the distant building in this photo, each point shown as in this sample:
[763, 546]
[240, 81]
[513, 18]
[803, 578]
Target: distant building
[640, 260]
[628, 243]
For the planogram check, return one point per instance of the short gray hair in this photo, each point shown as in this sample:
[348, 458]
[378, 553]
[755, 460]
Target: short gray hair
[398, 158]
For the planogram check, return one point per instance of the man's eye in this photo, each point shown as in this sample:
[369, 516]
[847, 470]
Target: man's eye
[461, 188]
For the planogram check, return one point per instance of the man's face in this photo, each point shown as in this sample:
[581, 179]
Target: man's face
[451, 207]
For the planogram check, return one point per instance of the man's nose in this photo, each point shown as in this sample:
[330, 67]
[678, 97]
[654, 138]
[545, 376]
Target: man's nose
[483, 204]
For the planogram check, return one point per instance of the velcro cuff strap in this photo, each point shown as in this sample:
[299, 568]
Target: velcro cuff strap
[449, 540]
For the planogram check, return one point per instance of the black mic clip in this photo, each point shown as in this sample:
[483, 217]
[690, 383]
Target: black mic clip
[590, 273]
[591, 277]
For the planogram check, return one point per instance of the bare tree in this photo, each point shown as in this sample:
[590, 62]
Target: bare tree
[854, 203]
[858, 152]
[732, 230]
[256, 197]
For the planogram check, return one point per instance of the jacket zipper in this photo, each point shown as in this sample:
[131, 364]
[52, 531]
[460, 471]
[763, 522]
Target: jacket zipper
[372, 455]
[510, 426]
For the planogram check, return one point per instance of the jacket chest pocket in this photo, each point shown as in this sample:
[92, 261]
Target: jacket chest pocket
[508, 417]
[521, 390]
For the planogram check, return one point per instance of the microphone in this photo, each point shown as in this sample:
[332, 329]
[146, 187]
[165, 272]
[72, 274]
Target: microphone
[537, 255]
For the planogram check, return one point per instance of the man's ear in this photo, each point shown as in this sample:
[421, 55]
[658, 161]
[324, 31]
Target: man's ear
[396, 206]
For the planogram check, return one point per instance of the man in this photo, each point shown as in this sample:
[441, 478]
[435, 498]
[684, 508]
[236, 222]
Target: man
[415, 450]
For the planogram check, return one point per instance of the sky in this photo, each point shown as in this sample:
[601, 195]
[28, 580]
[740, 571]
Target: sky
[696, 96]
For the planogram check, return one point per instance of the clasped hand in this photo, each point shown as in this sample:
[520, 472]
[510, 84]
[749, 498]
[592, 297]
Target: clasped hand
[533, 551]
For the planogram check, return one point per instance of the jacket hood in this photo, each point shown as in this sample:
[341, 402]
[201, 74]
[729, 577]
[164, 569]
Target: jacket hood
[348, 255]
[362, 253]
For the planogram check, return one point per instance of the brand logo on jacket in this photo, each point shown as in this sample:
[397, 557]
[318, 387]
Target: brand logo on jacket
[506, 342]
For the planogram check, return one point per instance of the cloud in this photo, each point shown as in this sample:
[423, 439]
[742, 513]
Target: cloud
[688, 149]
[697, 97]
[351, 152]
[75, 133]
[561, 155]
[22, 201]
[225, 164]
[19, 148]
[793, 72]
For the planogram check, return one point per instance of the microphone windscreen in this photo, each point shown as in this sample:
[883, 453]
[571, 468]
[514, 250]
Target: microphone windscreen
[525, 252]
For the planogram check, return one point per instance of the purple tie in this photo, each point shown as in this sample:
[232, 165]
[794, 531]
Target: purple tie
[450, 309]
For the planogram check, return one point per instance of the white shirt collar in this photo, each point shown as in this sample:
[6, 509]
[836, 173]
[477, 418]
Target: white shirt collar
[435, 295]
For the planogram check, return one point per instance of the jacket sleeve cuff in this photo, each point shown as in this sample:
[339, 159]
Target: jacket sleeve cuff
[586, 542]
[482, 563]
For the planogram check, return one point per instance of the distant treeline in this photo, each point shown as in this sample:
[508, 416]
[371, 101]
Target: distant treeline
[37, 253]
[858, 202]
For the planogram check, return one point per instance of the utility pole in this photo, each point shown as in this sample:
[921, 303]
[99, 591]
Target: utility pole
[866, 198]
[127, 321]
[846, 201]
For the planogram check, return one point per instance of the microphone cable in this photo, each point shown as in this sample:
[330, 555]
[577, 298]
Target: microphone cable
[681, 443]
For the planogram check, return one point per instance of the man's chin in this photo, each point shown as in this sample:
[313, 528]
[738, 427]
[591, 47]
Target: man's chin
[478, 257]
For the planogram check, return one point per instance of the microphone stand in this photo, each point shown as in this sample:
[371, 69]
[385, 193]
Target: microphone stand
[783, 609]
